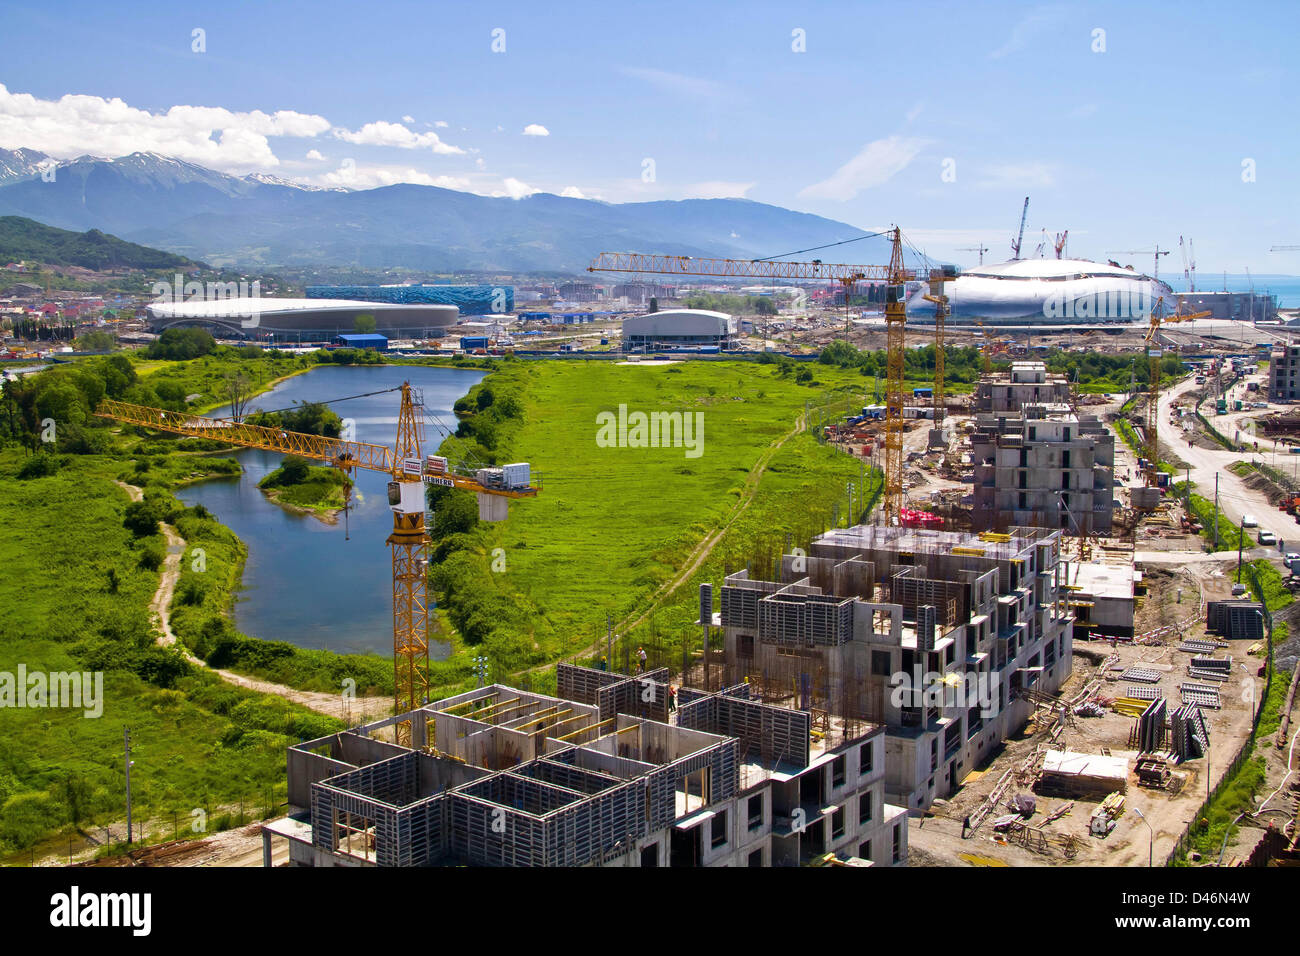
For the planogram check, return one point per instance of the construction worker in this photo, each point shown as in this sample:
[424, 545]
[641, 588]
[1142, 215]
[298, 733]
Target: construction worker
[640, 659]
[672, 698]
[965, 826]
[604, 664]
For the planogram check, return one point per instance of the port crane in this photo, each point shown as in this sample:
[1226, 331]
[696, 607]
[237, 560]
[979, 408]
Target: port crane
[1154, 355]
[1015, 246]
[1059, 242]
[895, 276]
[409, 474]
[981, 249]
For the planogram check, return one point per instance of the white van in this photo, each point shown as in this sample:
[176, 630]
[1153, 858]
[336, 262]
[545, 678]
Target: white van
[1249, 521]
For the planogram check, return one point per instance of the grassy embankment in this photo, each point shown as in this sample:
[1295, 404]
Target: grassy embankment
[75, 595]
[1230, 535]
[1240, 793]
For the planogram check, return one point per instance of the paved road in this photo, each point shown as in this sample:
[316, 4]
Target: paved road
[1235, 499]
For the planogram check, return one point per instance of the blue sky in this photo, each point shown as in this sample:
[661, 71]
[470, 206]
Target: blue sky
[1127, 147]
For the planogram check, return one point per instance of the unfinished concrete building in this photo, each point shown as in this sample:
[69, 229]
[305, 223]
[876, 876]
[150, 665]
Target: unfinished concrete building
[601, 775]
[1027, 383]
[1283, 366]
[1046, 467]
[940, 636]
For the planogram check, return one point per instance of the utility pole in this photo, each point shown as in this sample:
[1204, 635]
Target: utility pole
[126, 738]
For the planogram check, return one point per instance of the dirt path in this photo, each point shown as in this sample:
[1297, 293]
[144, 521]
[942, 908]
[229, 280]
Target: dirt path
[333, 705]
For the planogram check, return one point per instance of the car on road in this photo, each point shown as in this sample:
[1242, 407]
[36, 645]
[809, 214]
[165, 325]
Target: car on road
[1249, 521]
[1267, 537]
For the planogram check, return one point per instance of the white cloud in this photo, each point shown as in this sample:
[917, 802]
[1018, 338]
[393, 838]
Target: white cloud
[678, 83]
[382, 133]
[315, 154]
[718, 189]
[1006, 175]
[914, 112]
[440, 124]
[408, 119]
[536, 129]
[369, 177]
[220, 139]
[514, 188]
[877, 163]
[1040, 20]
[572, 192]
[480, 162]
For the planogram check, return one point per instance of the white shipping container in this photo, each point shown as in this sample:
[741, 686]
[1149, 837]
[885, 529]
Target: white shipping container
[517, 475]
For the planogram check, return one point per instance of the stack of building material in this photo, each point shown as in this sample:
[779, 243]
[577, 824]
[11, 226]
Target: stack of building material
[1129, 706]
[1152, 770]
[1191, 735]
[1210, 668]
[1143, 675]
[1083, 775]
[1200, 695]
[1137, 692]
[1192, 646]
[1151, 726]
[1236, 620]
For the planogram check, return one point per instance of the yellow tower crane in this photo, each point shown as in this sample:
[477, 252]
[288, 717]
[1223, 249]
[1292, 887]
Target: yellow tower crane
[895, 277]
[1154, 355]
[409, 541]
[936, 295]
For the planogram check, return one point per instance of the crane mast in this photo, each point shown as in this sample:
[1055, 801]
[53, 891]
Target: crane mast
[1015, 246]
[895, 352]
[409, 542]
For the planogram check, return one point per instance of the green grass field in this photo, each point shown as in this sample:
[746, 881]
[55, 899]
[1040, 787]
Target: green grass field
[75, 595]
[613, 524]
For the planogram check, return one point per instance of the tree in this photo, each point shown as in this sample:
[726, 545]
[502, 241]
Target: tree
[364, 324]
[765, 306]
[293, 470]
[455, 513]
[141, 519]
[176, 345]
[237, 388]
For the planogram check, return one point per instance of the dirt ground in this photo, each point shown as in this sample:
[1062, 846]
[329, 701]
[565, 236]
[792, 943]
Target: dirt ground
[937, 840]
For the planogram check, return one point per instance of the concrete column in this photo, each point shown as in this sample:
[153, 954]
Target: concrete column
[266, 847]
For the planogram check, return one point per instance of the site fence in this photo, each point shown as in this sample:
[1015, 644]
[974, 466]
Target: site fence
[1247, 748]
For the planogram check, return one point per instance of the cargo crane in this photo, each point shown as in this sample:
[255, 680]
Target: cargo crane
[1059, 243]
[409, 474]
[981, 249]
[1154, 353]
[1155, 253]
[895, 276]
[1015, 246]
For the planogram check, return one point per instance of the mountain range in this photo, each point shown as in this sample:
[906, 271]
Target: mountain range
[260, 221]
